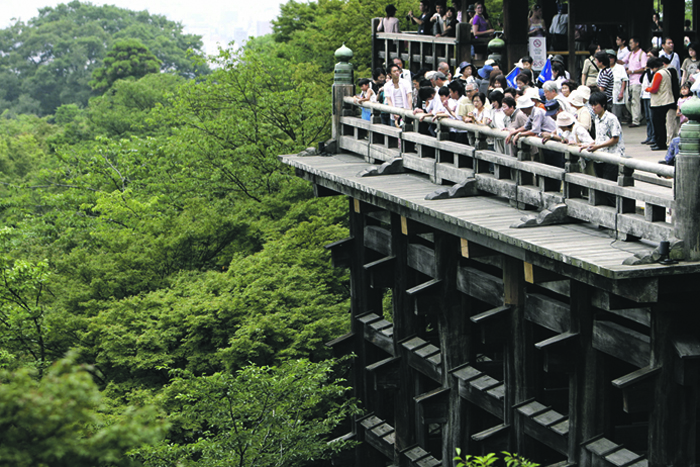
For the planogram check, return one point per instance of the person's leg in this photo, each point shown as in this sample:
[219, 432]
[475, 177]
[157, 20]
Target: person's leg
[659, 118]
[635, 103]
[647, 116]
[671, 124]
[673, 149]
[617, 111]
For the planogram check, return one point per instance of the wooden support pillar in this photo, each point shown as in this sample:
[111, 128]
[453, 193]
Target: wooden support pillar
[586, 382]
[363, 298]
[404, 326]
[672, 421]
[639, 19]
[464, 43]
[573, 67]
[674, 12]
[455, 338]
[515, 31]
[519, 352]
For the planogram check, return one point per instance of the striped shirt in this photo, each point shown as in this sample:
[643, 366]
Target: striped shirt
[606, 82]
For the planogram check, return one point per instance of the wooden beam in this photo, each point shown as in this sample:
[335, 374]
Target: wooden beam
[474, 250]
[498, 313]
[433, 405]
[426, 296]
[547, 312]
[385, 373]
[621, 342]
[341, 252]
[537, 275]
[381, 272]
[480, 285]
[342, 345]
[411, 227]
[378, 239]
[637, 389]
[422, 259]
[321, 191]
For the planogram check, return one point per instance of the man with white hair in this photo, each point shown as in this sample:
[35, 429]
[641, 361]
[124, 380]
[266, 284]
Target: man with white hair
[551, 91]
[444, 68]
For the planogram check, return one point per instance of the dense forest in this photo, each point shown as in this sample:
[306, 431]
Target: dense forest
[164, 294]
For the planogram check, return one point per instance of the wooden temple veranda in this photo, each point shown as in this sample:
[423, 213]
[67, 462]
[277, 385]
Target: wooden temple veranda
[529, 314]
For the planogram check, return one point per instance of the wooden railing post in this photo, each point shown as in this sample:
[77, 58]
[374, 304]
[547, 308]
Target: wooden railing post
[686, 187]
[342, 86]
[339, 91]
[464, 43]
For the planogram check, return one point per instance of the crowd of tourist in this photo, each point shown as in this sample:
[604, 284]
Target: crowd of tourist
[625, 85]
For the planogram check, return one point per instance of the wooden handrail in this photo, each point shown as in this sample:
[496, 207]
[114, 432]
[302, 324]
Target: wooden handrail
[600, 156]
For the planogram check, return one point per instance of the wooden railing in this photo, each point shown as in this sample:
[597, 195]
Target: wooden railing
[640, 210]
[419, 51]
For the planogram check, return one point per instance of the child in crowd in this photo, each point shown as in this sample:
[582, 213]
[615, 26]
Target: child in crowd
[525, 65]
[685, 95]
[433, 106]
[367, 95]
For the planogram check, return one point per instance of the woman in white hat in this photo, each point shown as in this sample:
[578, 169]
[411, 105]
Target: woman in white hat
[582, 114]
[568, 131]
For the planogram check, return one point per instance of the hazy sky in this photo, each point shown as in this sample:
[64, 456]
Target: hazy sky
[214, 20]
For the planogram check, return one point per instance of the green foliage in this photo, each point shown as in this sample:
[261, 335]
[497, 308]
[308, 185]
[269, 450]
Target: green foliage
[153, 230]
[48, 61]
[254, 107]
[59, 421]
[22, 308]
[511, 460]
[125, 109]
[128, 58]
[261, 416]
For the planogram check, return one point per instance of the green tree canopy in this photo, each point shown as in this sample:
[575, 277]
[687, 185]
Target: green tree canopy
[49, 60]
[259, 416]
[60, 420]
[128, 58]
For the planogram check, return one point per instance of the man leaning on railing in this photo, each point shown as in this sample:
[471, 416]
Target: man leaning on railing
[397, 93]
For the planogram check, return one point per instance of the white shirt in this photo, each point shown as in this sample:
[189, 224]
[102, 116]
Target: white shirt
[435, 106]
[577, 135]
[399, 96]
[619, 75]
[623, 55]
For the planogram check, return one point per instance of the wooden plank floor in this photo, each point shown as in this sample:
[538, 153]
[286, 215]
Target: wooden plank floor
[579, 244]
